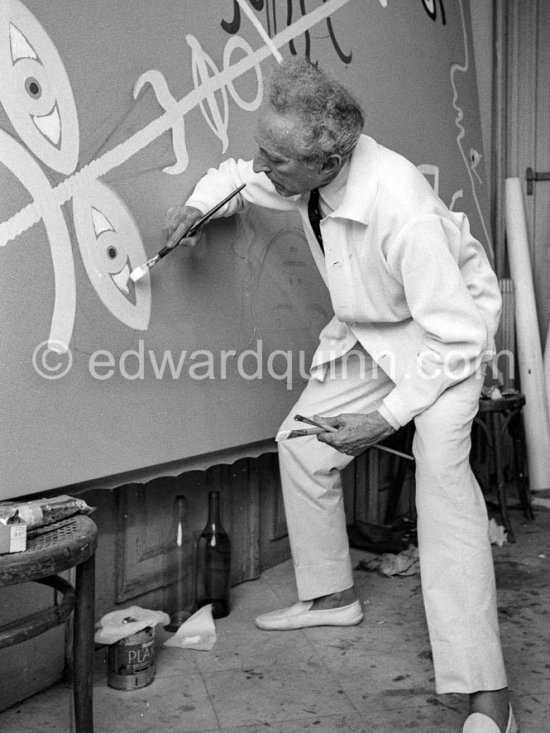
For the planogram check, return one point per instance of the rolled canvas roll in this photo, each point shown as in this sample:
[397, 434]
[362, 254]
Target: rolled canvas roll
[546, 365]
[531, 370]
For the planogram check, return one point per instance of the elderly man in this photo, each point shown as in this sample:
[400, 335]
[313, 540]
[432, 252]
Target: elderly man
[416, 307]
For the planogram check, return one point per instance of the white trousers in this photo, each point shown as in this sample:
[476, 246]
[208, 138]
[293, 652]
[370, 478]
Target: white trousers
[456, 561]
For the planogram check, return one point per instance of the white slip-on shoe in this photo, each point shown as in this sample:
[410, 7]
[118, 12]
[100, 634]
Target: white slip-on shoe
[479, 723]
[300, 616]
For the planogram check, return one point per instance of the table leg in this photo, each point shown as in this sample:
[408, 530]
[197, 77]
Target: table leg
[501, 484]
[516, 431]
[83, 646]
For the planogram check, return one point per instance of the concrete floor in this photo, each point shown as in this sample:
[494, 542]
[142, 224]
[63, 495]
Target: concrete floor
[376, 677]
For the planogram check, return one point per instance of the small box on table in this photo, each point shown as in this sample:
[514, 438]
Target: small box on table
[13, 537]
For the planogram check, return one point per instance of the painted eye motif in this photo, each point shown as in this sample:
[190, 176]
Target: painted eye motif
[35, 89]
[111, 247]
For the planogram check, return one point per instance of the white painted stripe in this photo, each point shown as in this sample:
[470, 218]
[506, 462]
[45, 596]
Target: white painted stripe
[247, 10]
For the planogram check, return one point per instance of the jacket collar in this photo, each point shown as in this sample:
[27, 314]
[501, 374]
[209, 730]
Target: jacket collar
[362, 182]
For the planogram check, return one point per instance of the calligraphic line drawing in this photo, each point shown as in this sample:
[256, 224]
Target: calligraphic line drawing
[245, 7]
[463, 68]
[63, 192]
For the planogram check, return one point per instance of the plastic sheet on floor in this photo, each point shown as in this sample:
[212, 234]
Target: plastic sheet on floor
[198, 632]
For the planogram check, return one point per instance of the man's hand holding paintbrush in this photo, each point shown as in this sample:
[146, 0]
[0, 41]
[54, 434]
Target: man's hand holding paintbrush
[183, 223]
[189, 220]
[180, 219]
[348, 433]
[353, 433]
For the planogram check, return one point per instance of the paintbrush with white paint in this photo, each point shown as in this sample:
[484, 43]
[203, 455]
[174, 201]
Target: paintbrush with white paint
[140, 271]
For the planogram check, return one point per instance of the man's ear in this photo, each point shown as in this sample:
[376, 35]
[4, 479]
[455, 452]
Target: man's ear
[331, 166]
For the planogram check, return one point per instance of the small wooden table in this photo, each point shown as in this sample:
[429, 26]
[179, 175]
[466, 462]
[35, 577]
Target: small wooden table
[495, 417]
[50, 550]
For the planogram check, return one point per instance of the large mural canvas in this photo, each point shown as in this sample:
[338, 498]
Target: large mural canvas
[109, 113]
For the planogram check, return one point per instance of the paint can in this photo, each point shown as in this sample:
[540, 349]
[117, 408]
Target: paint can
[131, 661]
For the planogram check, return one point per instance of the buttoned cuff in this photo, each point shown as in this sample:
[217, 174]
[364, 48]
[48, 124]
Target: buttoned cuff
[388, 417]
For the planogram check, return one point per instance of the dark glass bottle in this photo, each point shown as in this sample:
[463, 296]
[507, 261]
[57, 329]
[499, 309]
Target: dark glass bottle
[213, 569]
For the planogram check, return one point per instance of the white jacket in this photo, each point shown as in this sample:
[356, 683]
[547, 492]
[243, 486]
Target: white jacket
[406, 278]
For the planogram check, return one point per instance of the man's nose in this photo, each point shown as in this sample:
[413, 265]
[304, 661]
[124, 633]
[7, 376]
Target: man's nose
[260, 164]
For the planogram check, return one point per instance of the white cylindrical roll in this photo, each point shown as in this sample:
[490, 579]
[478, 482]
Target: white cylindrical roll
[546, 365]
[536, 419]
